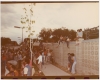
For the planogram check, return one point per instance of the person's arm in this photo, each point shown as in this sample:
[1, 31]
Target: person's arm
[25, 71]
[16, 73]
[37, 58]
[72, 60]
[8, 74]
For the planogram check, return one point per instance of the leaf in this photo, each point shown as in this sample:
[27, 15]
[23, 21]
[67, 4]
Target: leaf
[33, 22]
[23, 27]
[27, 20]
[29, 35]
[33, 31]
[29, 28]
[22, 22]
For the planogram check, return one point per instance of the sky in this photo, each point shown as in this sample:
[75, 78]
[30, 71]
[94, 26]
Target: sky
[48, 15]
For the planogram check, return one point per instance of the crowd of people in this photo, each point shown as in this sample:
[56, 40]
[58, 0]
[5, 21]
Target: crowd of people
[16, 62]
[43, 56]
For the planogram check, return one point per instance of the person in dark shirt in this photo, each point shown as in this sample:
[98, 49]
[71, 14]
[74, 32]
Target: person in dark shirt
[69, 62]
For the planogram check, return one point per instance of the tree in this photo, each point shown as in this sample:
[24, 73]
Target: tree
[27, 19]
[46, 33]
[5, 41]
[72, 34]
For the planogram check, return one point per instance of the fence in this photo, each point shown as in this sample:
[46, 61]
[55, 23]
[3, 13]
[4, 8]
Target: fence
[87, 55]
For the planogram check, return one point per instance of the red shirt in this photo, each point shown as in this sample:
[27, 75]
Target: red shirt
[4, 58]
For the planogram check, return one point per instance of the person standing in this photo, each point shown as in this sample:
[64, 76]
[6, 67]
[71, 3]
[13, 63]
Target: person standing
[69, 62]
[19, 61]
[40, 62]
[74, 63]
[27, 68]
[77, 37]
[67, 41]
[80, 36]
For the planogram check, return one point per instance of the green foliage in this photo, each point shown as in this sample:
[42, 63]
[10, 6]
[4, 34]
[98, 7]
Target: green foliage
[46, 33]
[6, 41]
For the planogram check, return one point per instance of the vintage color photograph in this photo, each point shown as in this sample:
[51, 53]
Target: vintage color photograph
[49, 39]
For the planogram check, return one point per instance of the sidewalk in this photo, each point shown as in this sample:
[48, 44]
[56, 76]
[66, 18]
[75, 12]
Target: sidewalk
[51, 70]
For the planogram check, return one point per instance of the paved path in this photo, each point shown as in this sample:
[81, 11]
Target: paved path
[51, 70]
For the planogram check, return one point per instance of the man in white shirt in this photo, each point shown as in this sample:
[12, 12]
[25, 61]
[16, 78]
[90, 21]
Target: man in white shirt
[80, 33]
[67, 41]
[40, 62]
[80, 36]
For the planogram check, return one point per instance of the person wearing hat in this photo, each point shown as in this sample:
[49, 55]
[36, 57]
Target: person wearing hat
[11, 67]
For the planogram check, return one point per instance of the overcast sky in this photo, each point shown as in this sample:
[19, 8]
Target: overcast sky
[49, 15]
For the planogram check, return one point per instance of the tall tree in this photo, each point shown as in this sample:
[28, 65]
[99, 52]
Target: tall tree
[28, 20]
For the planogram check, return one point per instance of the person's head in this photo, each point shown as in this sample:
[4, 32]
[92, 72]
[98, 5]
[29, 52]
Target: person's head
[80, 30]
[77, 30]
[27, 61]
[68, 54]
[72, 54]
